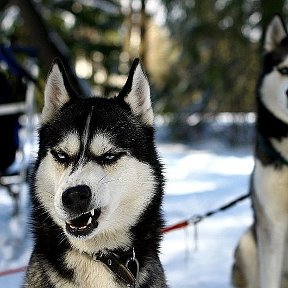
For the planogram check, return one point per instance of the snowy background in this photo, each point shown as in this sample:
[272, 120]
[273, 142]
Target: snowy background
[198, 179]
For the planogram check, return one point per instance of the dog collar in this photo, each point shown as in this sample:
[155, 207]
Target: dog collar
[127, 273]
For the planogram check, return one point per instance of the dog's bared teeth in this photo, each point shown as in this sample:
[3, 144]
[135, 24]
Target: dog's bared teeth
[92, 212]
[79, 228]
[89, 221]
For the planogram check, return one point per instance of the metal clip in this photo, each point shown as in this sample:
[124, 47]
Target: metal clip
[195, 221]
[135, 267]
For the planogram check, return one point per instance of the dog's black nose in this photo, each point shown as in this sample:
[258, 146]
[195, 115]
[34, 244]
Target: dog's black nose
[77, 199]
[286, 93]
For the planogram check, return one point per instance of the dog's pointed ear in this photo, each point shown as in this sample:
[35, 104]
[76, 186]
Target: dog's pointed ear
[57, 90]
[275, 33]
[136, 93]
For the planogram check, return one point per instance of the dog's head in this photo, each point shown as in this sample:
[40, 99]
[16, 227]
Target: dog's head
[97, 165]
[273, 86]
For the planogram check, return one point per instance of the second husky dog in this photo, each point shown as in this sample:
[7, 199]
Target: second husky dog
[260, 259]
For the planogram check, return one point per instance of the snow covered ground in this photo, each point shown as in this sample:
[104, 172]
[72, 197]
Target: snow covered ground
[198, 180]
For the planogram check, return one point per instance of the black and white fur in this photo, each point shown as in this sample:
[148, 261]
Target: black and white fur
[96, 155]
[261, 256]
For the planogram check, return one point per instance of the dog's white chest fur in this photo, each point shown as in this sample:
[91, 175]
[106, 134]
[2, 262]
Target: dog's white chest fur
[89, 273]
[271, 188]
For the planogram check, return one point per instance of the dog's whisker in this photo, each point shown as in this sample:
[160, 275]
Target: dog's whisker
[103, 178]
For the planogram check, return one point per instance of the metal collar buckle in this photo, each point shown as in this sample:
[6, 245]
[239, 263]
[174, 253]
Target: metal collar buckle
[127, 273]
[132, 265]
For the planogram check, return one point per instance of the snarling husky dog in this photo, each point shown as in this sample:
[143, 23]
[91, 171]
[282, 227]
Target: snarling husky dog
[97, 189]
[261, 256]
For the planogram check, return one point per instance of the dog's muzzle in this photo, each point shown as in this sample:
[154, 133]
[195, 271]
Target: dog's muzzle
[77, 202]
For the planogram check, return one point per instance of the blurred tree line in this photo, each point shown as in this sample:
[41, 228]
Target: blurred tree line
[218, 53]
[201, 56]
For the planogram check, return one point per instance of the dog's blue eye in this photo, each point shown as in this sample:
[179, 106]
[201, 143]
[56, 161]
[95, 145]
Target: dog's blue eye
[110, 158]
[60, 156]
[283, 70]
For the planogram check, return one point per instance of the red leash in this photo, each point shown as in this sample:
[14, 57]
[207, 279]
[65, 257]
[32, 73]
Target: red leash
[179, 225]
[13, 271]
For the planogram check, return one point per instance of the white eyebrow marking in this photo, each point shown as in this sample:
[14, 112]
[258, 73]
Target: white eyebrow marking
[70, 144]
[101, 144]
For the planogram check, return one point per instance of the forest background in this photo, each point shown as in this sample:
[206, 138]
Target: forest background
[202, 57]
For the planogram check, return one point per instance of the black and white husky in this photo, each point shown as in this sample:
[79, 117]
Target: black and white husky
[97, 189]
[261, 256]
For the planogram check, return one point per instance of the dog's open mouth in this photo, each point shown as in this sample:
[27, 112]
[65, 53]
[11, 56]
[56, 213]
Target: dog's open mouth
[84, 224]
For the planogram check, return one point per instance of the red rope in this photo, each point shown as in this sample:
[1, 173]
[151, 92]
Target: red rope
[176, 226]
[13, 271]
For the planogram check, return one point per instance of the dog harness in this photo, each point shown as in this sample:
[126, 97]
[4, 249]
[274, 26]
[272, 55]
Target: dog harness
[126, 273]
